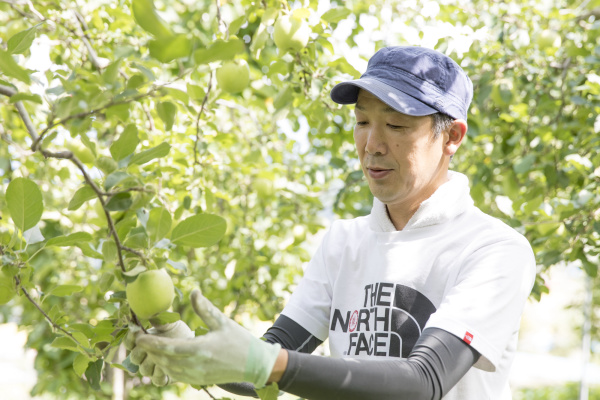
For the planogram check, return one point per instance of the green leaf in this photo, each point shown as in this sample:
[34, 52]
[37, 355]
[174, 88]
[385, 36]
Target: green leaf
[10, 68]
[69, 240]
[269, 392]
[88, 251]
[64, 342]
[120, 111]
[20, 42]
[82, 195]
[24, 200]
[236, 24]
[159, 224]
[135, 271]
[86, 329]
[525, 164]
[135, 81]
[106, 280]
[64, 290]
[170, 48]
[148, 155]
[80, 364]
[145, 15]
[94, 374]
[167, 111]
[336, 14]
[177, 94]
[115, 178]
[129, 366]
[165, 317]
[219, 51]
[126, 143]
[195, 91]
[137, 241]
[106, 164]
[109, 250]
[119, 202]
[25, 97]
[199, 230]
[111, 72]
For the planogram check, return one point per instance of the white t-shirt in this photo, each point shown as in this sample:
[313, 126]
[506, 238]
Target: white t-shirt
[372, 290]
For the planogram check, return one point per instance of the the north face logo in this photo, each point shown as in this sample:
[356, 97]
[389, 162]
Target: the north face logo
[389, 324]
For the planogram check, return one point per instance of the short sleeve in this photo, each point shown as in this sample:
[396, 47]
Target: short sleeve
[310, 303]
[483, 306]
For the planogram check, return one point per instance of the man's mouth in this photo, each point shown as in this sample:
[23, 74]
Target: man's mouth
[377, 172]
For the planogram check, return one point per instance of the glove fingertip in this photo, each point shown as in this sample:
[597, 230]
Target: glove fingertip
[137, 356]
[159, 378]
[211, 315]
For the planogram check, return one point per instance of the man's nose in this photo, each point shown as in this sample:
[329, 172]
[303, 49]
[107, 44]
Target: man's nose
[376, 143]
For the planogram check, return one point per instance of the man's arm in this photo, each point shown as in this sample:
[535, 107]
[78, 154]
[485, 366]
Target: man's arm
[437, 362]
[229, 353]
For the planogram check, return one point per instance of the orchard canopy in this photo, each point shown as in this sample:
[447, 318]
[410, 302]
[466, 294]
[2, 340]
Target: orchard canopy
[198, 137]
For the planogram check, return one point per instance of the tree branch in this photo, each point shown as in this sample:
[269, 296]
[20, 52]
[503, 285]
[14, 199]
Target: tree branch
[67, 155]
[8, 91]
[54, 324]
[93, 112]
[86, 41]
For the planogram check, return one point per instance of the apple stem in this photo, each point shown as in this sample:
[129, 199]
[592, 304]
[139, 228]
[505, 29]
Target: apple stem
[137, 322]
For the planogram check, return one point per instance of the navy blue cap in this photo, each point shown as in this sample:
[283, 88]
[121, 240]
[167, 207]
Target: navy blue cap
[412, 80]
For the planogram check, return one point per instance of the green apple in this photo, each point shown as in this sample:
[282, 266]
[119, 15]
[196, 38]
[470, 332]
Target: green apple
[151, 293]
[233, 76]
[548, 39]
[7, 287]
[263, 187]
[291, 33]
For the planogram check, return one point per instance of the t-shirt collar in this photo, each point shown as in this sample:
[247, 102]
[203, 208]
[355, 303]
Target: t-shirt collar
[450, 200]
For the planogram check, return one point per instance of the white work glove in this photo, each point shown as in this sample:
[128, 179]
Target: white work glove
[226, 354]
[139, 356]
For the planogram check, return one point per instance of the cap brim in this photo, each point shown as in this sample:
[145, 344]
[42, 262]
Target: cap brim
[347, 93]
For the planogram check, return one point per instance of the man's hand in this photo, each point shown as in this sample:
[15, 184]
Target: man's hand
[228, 353]
[138, 356]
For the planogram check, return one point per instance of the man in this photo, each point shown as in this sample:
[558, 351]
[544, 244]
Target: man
[421, 299]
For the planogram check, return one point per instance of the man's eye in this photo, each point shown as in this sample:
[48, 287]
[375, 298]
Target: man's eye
[361, 123]
[395, 126]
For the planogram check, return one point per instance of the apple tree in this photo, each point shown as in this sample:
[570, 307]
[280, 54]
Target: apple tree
[197, 138]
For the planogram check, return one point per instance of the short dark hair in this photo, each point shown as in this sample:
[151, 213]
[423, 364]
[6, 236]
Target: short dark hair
[440, 122]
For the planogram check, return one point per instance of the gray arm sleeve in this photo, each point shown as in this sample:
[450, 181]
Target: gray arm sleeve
[437, 362]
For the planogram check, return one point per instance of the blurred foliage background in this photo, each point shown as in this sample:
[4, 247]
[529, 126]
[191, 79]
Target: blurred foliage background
[127, 96]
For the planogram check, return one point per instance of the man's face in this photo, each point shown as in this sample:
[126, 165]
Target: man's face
[402, 161]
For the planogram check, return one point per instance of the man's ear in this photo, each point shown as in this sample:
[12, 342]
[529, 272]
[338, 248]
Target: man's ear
[456, 134]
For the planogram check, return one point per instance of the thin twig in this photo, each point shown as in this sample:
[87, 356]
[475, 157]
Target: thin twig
[94, 111]
[200, 117]
[151, 126]
[137, 253]
[221, 20]
[565, 67]
[86, 41]
[54, 324]
[208, 393]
